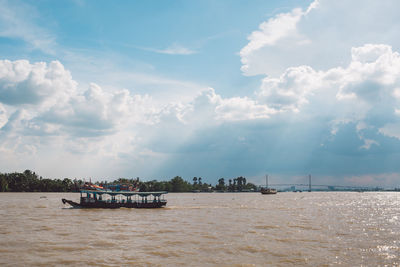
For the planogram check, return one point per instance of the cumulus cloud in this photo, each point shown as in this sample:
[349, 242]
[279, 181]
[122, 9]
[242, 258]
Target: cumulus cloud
[24, 83]
[304, 54]
[329, 103]
[210, 105]
[52, 104]
[370, 78]
[333, 68]
[45, 117]
[290, 91]
[363, 93]
[303, 112]
[307, 120]
[271, 33]
[209, 108]
[44, 106]
[320, 36]
[47, 94]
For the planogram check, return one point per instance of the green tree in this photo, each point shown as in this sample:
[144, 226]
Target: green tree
[241, 182]
[230, 186]
[67, 185]
[221, 184]
[179, 185]
[251, 186]
[3, 183]
[143, 187]
[159, 186]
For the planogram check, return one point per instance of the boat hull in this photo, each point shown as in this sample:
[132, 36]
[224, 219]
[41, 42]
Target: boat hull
[115, 205]
[268, 191]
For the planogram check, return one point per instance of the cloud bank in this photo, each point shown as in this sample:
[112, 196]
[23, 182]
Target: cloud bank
[327, 104]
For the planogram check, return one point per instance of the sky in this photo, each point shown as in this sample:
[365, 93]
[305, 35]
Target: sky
[155, 89]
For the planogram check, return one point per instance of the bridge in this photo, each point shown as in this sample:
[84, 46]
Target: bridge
[306, 187]
[318, 187]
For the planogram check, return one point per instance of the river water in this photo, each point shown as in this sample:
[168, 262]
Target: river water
[204, 229]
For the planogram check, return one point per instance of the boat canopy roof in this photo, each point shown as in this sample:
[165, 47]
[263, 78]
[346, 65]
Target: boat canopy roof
[125, 193]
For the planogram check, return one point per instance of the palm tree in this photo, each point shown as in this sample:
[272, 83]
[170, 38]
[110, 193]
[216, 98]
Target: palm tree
[221, 184]
[239, 183]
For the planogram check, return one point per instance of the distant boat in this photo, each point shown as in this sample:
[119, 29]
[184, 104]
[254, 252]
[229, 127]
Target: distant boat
[267, 190]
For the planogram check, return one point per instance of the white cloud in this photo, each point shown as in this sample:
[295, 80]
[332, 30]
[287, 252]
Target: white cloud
[96, 112]
[43, 108]
[25, 83]
[368, 143]
[290, 91]
[328, 101]
[362, 93]
[3, 116]
[120, 126]
[242, 108]
[321, 36]
[391, 130]
[44, 117]
[174, 49]
[209, 106]
[44, 100]
[273, 30]
[271, 33]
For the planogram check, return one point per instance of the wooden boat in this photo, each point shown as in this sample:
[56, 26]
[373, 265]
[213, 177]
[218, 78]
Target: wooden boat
[267, 190]
[118, 199]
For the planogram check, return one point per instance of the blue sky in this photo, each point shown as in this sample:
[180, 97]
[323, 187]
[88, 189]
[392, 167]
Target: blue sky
[154, 89]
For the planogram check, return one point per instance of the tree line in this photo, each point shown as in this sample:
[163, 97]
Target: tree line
[29, 181]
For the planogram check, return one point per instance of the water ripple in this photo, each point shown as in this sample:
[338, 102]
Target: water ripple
[314, 229]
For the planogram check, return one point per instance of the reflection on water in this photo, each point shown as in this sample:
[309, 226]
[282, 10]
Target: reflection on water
[204, 229]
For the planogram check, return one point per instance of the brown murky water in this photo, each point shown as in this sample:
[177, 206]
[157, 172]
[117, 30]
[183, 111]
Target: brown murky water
[205, 229]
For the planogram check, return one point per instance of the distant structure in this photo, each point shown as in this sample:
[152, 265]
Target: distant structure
[317, 187]
[267, 190]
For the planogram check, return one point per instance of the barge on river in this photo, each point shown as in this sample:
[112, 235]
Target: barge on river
[118, 199]
[267, 190]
